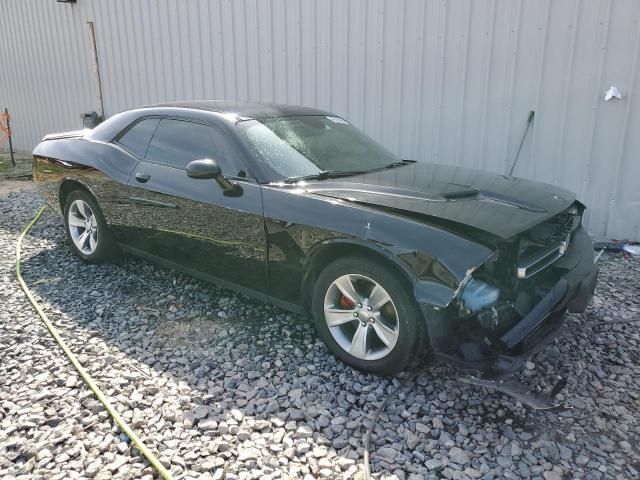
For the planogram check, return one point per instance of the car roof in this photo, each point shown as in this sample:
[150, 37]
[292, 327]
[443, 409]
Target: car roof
[244, 110]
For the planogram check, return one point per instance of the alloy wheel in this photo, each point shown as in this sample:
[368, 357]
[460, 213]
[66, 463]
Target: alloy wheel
[83, 227]
[361, 317]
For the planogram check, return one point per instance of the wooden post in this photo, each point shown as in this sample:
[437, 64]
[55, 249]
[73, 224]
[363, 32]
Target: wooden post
[13, 160]
[96, 69]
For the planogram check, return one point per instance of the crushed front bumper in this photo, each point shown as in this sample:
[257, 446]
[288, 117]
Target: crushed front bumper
[545, 321]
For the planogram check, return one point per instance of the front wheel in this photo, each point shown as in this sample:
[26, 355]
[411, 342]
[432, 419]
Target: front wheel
[87, 229]
[366, 315]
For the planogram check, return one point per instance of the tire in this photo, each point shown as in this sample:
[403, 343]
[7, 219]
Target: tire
[98, 246]
[398, 320]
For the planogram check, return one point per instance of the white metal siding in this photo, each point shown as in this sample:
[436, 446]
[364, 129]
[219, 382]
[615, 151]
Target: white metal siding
[445, 81]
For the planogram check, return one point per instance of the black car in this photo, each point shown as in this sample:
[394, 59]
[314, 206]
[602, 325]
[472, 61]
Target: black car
[296, 207]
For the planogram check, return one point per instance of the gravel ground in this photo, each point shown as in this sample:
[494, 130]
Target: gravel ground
[222, 387]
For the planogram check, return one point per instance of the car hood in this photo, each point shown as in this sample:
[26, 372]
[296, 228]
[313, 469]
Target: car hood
[500, 205]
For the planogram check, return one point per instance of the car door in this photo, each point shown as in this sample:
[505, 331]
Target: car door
[190, 222]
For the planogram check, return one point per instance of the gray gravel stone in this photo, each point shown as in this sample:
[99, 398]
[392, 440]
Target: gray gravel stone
[222, 387]
[433, 464]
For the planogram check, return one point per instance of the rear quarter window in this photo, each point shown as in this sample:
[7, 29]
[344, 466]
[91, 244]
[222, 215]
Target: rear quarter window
[136, 139]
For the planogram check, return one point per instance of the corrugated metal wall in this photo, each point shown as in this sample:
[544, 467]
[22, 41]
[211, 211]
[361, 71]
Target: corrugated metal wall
[446, 81]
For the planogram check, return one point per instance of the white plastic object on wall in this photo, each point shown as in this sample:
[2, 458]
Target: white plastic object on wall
[613, 92]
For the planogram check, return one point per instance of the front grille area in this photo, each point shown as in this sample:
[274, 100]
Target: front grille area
[537, 262]
[545, 243]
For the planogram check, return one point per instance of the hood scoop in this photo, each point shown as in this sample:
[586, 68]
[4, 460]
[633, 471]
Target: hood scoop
[461, 194]
[473, 194]
[356, 192]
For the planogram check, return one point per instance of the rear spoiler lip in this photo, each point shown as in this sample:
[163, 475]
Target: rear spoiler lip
[69, 134]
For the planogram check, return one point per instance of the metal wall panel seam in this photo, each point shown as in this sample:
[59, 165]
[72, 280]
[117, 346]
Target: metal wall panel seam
[408, 83]
[10, 89]
[185, 44]
[84, 15]
[253, 85]
[465, 81]
[123, 59]
[300, 57]
[16, 96]
[205, 49]
[157, 49]
[195, 44]
[57, 62]
[290, 45]
[485, 96]
[103, 38]
[621, 144]
[443, 14]
[272, 51]
[30, 80]
[182, 88]
[234, 78]
[50, 69]
[559, 158]
[314, 37]
[379, 69]
[330, 55]
[33, 72]
[512, 82]
[220, 70]
[137, 43]
[596, 102]
[42, 21]
[4, 54]
[347, 75]
[147, 57]
[532, 170]
[232, 24]
[365, 77]
[420, 84]
[402, 34]
[387, 31]
[250, 79]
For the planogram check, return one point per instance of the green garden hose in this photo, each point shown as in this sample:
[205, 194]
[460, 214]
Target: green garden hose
[83, 373]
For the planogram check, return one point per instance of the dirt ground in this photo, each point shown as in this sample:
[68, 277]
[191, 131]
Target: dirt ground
[8, 186]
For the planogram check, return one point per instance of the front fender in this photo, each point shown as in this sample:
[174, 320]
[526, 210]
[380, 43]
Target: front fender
[432, 284]
[299, 225]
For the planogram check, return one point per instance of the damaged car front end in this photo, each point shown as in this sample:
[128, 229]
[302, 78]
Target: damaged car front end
[513, 304]
[494, 261]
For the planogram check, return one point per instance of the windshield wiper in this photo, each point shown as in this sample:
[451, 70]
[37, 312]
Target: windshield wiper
[344, 173]
[325, 174]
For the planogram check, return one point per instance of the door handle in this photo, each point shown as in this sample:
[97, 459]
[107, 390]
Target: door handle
[142, 177]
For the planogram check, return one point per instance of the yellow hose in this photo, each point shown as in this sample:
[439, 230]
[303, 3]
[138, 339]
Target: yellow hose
[83, 373]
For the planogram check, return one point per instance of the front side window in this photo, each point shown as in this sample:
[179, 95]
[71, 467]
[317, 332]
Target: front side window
[136, 139]
[306, 145]
[178, 142]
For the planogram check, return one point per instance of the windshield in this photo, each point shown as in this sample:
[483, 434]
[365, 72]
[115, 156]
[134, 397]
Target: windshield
[307, 145]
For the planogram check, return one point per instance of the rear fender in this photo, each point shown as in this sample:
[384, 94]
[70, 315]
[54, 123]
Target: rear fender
[102, 168]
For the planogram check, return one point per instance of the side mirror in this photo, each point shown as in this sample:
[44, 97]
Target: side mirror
[208, 168]
[204, 169]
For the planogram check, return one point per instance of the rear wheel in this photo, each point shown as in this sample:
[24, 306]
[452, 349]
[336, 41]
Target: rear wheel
[86, 228]
[366, 315]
